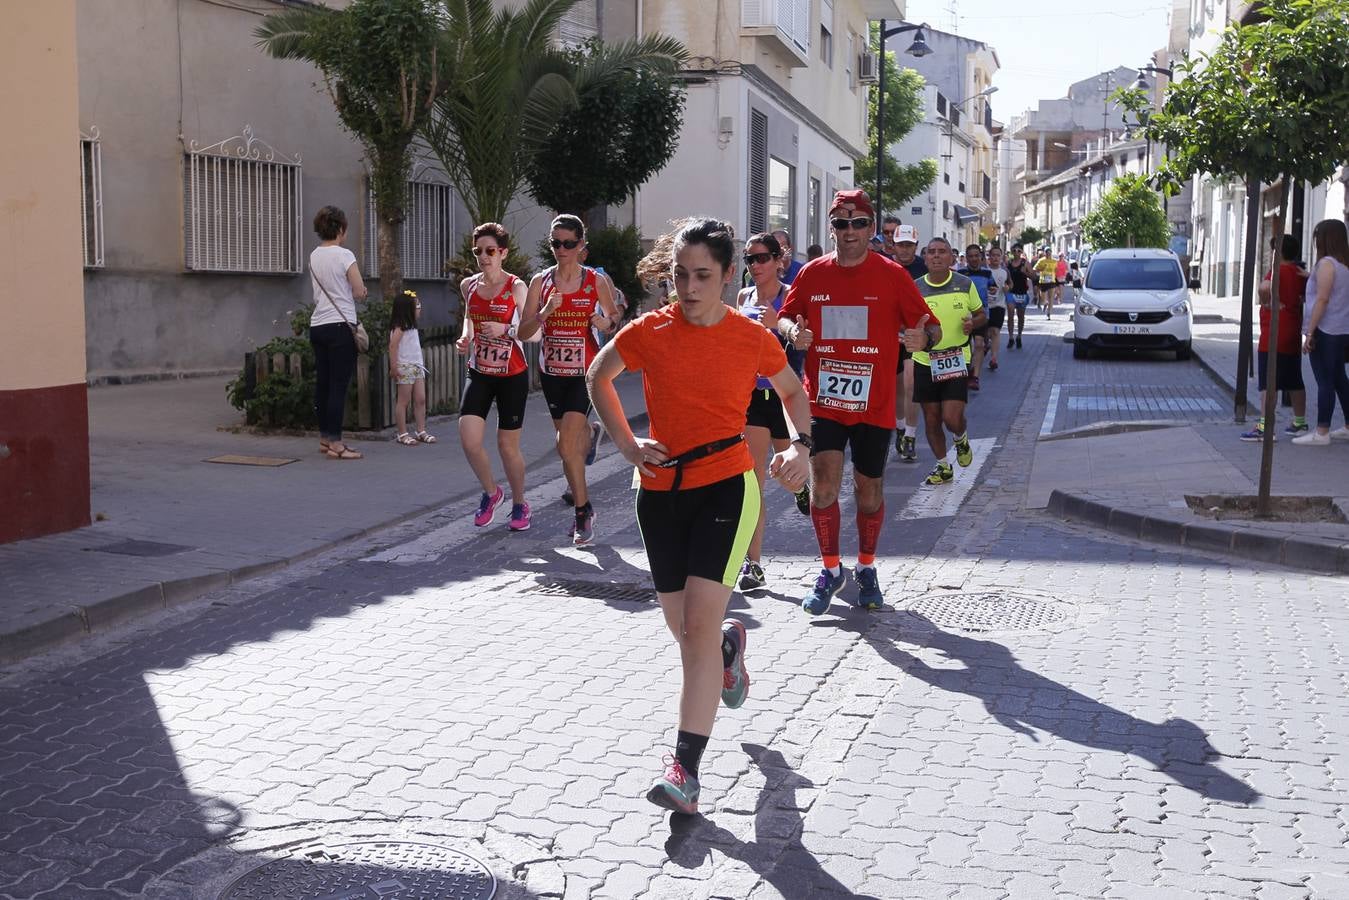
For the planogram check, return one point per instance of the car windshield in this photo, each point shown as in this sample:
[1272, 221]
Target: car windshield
[1134, 275]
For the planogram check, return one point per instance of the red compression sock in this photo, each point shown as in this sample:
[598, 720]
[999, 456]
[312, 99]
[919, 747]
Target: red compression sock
[868, 534]
[826, 532]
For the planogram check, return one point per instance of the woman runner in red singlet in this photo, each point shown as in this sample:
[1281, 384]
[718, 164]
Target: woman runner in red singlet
[569, 301]
[493, 302]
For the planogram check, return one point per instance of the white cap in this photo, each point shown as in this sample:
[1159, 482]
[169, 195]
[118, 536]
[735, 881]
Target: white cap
[906, 234]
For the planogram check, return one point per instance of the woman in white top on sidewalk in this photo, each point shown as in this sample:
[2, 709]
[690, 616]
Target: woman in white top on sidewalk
[337, 285]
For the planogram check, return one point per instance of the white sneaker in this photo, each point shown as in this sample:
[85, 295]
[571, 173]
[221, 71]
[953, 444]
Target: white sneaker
[1312, 438]
[1340, 434]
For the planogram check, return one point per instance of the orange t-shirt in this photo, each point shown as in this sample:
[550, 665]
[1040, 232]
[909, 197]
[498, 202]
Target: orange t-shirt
[697, 381]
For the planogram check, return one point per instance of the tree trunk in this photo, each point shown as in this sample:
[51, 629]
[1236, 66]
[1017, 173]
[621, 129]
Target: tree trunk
[389, 184]
[1247, 294]
[389, 246]
[1262, 500]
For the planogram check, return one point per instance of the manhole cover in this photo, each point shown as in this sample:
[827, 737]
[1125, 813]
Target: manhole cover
[595, 590]
[367, 870]
[142, 548]
[990, 611]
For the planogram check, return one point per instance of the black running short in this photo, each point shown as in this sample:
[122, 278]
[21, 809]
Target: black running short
[1288, 371]
[870, 443]
[703, 531]
[564, 394]
[996, 316]
[925, 390]
[509, 392]
[765, 411]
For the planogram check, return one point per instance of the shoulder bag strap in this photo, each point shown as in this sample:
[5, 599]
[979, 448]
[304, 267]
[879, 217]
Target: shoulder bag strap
[331, 302]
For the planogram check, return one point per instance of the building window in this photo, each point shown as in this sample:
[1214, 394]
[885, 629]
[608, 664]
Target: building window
[826, 46]
[91, 198]
[758, 171]
[813, 201]
[579, 24]
[426, 235]
[781, 195]
[850, 60]
[242, 208]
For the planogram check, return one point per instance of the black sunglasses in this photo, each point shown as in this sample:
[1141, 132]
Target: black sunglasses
[759, 258]
[570, 245]
[857, 223]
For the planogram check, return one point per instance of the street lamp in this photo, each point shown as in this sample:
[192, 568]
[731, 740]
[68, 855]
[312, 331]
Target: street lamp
[919, 49]
[1141, 83]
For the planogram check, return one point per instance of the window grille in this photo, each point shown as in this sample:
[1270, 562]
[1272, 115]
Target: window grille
[91, 198]
[242, 208]
[758, 171]
[426, 235]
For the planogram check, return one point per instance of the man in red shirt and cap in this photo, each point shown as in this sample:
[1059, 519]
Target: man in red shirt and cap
[848, 310]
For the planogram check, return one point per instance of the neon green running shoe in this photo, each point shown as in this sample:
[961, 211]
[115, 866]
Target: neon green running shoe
[964, 455]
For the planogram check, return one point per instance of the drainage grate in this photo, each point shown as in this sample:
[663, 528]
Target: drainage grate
[990, 611]
[142, 548]
[367, 870]
[595, 590]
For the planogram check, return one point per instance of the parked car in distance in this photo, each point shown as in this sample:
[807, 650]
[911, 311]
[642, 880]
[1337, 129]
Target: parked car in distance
[1134, 299]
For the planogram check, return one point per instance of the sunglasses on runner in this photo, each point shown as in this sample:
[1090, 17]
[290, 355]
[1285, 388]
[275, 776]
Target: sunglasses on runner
[857, 223]
[569, 245]
[490, 251]
[758, 258]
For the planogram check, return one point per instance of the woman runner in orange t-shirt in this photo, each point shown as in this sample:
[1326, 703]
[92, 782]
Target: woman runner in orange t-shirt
[699, 500]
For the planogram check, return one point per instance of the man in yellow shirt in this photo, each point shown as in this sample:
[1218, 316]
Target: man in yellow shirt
[1046, 279]
[941, 372]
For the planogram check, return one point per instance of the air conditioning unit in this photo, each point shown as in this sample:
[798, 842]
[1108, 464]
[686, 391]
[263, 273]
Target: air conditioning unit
[868, 68]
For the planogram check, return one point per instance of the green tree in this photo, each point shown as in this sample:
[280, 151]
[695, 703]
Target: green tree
[1031, 235]
[1129, 215]
[623, 131]
[1270, 104]
[507, 86]
[903, 112]
[380, 61]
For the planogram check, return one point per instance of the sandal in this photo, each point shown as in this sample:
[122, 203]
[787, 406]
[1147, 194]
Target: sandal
[425, 437]
[406, 440]
[344, 453]
[323, 446]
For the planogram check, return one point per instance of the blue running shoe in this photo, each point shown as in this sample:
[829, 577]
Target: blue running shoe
[868, 587]
[675, 790]
[1293, 429]
[826, 586]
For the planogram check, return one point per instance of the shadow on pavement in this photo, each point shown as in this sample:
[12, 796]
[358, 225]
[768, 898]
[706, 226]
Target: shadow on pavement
[1024, 701]
[776, 853]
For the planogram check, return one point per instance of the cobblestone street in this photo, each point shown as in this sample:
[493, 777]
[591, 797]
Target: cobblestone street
[1041, 710]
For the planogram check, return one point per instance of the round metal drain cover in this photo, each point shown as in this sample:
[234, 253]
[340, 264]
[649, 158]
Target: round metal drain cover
[367, 870]
[990, 611]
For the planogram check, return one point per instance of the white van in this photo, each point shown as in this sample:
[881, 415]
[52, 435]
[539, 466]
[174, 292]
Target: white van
[1134, 299]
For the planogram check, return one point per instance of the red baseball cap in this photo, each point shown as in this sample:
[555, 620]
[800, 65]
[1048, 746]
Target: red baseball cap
[858, 199]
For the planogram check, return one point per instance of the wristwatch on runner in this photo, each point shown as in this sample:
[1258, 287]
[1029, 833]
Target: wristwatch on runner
[805, 441]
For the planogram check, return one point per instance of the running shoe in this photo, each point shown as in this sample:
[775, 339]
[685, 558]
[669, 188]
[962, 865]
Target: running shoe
[1018, 342]
[942, 474]
[487, 507]
[752, 577]
[909, 452]
[568, 498]
[735, 678]
[675, 789]
[803, 500]
[974, 383]
[595, 432]
[583, 532]
[826, 586]
[1294, 429]
[868, 587]
[964, 455]
[1255, 435]
[993, 365]
[520, 517]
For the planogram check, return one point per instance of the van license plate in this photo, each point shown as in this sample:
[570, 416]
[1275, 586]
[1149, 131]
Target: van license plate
[1132, 329]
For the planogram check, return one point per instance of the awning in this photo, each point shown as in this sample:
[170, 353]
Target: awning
[965, 215]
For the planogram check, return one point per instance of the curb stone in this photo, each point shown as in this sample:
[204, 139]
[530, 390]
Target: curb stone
[1242, 542]
[79, 621]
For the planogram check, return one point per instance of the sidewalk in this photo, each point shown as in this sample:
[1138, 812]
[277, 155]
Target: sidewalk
[1136, 483]
[170, 526]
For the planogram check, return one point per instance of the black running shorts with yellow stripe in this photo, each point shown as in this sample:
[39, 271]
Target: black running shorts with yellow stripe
[703, 531]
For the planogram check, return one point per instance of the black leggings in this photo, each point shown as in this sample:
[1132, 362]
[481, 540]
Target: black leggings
[334, 364]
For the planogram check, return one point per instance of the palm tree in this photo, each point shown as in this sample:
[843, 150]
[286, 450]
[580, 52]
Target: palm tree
[510, 85]
[383, 63]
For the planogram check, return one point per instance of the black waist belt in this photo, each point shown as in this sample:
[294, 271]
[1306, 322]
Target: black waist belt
[678, 462]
